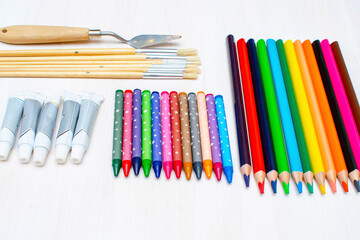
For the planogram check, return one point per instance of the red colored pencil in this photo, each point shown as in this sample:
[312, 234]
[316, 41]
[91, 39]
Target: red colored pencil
[251, 115]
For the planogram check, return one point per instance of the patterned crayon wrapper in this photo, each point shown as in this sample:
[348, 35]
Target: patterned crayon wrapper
[175, 126]
[127, 126]
[213, 129]
[136, 131]
[204, 127]
[118, 124]
[194, 128]
[185, 128]
[166, 127]
[146, 126]
[156, 127]
[223, 132]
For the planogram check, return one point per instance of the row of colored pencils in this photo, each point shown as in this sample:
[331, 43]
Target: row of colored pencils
[297, 113]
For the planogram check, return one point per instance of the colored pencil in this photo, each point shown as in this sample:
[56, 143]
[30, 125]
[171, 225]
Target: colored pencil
[274, 117]
[185, 135]
[195, 135]
[305, 115]
[263, 121]
[342, 100]
[214, 136]
[166, 134]
[204, 135]
[127, 135]
[285, 115]
[224, 138]
[156, 133]
[243, 145]
[175, 133]
[146, 141]
[354, 173]
[118, 131]
[330, 130]
[136, 132]
[304, 155]
[349, 88]
[251, 116]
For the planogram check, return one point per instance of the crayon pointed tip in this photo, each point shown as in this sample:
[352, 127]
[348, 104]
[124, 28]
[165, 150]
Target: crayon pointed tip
[188, 171]
[228, 171]
[299, 187]
[322, 189]
[208, 170]
[157, 168]
[146, 170]
[197, 169]
[310, 187]
[261, 187]
[126, 167]
[273, 185]
[286, 187]
[177, 168]
[218, 170]
[167, 169]
[116, 167]
[136, 162]
[345, 186]
[357, 185]
[332, 185]
[247, 180]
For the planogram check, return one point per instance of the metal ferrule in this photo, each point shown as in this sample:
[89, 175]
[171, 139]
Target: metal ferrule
[170, 57]
[94, 33]
[162, 51]
[163, 75]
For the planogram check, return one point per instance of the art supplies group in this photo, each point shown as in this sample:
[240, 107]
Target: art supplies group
[300, 113]
[39, 114]
[171, 131]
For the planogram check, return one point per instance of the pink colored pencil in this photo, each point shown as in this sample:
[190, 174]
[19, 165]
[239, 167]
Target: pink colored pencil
[342, 100]
[127, 135]
[166, 134]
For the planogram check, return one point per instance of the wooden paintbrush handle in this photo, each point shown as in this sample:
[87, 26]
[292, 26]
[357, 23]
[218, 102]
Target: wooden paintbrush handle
[31, 34]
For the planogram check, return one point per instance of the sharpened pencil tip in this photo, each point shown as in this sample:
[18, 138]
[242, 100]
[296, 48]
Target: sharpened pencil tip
[345, 186]
[310, 188]
[332, 185]
[261, 187]
[286, 187]
[357, 185]
[299, 187]
[273, 185]
[322, 189]
[247, 180]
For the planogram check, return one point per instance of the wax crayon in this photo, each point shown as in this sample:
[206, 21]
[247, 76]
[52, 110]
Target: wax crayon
[263, 120]
[251, 116]
[118, 131]
[136, 132]
[127, 135]
[146, 154]
[195, 135]
[243, 145]
[345, 78]
[45, 129]
[204, 135]
[214, 136]
[69, 118]
[274, 116]
[175, 133]
[305, 115]
[350, 161]
[325, 152]
[166, 134]
[342, 100]
[185, 135]
[10, 125]
[224, 138]
[304, 155]
[330, 130]
[156, 133]
[32, 107]
[285, 115]
[90, 103]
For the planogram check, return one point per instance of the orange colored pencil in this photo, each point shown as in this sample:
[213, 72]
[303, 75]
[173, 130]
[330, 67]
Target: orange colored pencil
[332, 136]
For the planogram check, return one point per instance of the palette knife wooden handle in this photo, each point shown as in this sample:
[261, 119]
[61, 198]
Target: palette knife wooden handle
[32, 34]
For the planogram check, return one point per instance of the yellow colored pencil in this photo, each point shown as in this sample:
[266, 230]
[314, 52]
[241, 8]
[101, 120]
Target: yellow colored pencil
[305, 116]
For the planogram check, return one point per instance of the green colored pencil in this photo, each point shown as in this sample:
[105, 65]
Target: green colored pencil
[118, 131]
[304, 155]
[274, 117]
[146, 154]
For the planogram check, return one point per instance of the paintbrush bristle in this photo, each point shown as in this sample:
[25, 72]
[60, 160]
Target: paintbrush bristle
[190, 76]
[187, 52]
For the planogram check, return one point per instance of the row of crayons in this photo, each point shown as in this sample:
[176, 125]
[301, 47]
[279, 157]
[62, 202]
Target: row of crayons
[171, 131]
[301, 112]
